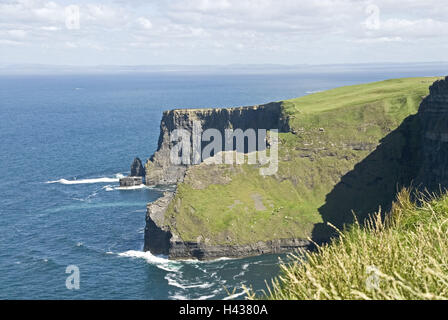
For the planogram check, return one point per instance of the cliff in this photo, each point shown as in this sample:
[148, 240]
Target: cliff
[339, 150]
[433, 118]
[160, 170]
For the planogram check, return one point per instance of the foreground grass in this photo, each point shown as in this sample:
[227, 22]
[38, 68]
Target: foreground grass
[404, 256]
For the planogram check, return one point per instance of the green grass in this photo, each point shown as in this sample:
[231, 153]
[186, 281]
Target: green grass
[359, 95]
[332, 131]
[404, 256]
[228, 213]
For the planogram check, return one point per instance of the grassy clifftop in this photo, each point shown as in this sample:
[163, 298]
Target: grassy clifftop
[402, 257]
[332, 132]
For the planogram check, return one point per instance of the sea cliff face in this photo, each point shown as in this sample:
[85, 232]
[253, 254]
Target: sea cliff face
[160, 170]
[159, 236]
[433, 117]
[342, 151]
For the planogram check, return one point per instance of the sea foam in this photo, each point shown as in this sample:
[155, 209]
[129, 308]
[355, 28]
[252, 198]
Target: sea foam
[89, 181]
[160, 261]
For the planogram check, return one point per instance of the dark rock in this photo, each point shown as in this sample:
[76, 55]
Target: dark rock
[433, 116]
[137, 169]
[201, 251]
[131, 181]
[157, 236]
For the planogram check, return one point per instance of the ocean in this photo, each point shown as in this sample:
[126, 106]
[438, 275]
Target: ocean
[66, 140]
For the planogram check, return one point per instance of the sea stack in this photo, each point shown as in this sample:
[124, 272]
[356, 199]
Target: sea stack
[137, 175]
[137, 169]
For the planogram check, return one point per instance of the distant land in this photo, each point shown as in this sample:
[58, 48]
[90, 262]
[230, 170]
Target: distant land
[431, 67]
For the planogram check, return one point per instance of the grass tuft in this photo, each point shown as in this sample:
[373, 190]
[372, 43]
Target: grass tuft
[401, 256]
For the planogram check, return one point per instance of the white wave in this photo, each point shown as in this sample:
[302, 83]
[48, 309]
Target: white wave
[242, 273]
[160, 261]
[195, 261]
[112, 188]
[236, 295]
[89, 181]
[148, 256]
[142, 186]
[174, 283]
[109, 188]
[206, 297]
[311, 92]
[177, 296]
[168, 268]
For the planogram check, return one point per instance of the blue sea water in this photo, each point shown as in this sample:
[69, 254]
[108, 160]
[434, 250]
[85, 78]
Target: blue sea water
[65, 140]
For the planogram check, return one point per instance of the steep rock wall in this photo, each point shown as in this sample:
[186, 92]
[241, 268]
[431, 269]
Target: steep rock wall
[433, 116]
[160, 170]
[159, 238]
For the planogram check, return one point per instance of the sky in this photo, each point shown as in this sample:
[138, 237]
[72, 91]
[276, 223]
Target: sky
[222, 32]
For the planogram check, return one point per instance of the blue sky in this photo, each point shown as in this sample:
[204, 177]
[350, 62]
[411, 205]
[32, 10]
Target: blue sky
[219, 32]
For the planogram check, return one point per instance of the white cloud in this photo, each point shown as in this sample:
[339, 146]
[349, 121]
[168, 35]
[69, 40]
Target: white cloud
[10, 42]
[415, 28]
[277, 31]
[104, 15]
[144, 23]
[70, 44]
[50, 28]
[379, 40]
[49, 11]
[17, 33]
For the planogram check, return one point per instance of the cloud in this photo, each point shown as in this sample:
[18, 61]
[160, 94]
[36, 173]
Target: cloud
[379, 40]
[50, 28]
[418, 28]
[104, 15]
[17, 33]
[144, 23]
[277, 31]
[8, 42]
[70, 44]
[270, 16]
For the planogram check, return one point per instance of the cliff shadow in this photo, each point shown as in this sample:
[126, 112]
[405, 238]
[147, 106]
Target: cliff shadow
[374, 182]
